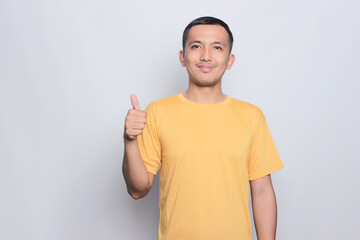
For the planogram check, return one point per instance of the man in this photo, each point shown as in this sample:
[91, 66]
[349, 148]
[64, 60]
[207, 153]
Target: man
[209, 147]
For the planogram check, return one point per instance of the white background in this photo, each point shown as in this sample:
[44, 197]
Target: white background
[67, 69]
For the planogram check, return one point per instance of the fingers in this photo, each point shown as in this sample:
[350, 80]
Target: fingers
[135, 119]
[136, 116]
[137, 126]
[134, 125]
[134, 101]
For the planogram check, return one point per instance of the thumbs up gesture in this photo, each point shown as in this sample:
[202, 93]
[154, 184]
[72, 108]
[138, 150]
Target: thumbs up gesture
[135, 120]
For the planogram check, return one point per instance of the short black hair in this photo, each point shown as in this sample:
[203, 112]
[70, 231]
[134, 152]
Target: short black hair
[208, 21]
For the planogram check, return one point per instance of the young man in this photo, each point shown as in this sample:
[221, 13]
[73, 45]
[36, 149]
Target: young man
[209, 147]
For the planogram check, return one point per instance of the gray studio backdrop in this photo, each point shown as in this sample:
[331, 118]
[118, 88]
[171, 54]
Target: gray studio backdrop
[67, 69]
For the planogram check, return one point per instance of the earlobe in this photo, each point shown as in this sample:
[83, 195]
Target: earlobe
[231, 61]
[181, 57]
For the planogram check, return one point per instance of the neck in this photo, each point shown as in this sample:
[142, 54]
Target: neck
[205, 95]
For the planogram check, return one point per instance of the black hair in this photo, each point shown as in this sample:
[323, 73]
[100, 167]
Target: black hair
[208, 21]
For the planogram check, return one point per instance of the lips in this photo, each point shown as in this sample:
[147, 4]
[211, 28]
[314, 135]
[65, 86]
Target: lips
[205, 68]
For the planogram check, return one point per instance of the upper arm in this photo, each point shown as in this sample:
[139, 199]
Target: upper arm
[261, 185]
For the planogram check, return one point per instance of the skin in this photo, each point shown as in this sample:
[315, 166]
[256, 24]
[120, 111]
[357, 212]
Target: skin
[206, 57]
[264, 208]
[138, 179]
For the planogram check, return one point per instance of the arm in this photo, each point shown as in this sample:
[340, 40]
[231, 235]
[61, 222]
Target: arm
[264, 208]
[138, 179]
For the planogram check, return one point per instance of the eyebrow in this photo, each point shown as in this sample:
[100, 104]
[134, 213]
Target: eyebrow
[197, 41]
[221, 43]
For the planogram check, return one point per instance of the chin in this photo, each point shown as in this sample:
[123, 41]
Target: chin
[206, 83]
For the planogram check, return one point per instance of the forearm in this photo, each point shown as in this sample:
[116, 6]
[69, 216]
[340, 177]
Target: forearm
[134, 170]
[265, 214]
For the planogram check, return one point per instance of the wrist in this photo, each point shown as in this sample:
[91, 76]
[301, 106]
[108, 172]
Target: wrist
[128, 139]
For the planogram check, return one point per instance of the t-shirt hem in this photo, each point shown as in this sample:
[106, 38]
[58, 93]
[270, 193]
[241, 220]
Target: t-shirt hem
[264, 173]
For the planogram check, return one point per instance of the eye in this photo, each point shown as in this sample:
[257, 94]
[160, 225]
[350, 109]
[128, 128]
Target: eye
[195, 46]
[218, 47]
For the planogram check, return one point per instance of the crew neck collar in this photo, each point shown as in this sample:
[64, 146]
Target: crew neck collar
[184, 99]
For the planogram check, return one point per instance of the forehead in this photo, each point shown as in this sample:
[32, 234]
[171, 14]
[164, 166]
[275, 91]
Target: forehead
[208, 33]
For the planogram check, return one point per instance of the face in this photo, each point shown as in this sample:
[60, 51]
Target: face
[206, 55]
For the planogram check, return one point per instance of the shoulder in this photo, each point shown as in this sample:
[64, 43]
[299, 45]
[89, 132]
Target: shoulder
[252, 114]
[163, 103]
[160, 108]
[247, 108]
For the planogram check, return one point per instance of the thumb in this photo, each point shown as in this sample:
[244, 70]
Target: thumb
[134, 101]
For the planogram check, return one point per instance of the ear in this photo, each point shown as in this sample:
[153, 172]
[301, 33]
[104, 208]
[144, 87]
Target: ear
[182, 57]
[231, 61]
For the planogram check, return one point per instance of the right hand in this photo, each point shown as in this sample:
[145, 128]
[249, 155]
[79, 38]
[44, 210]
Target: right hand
[135, 120]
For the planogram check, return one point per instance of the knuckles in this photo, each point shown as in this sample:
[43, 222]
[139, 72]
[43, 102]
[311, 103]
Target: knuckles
[140, 119]
[136, 112]
[134, 121]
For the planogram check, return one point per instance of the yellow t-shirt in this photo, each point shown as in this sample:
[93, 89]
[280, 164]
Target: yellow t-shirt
[207, 154]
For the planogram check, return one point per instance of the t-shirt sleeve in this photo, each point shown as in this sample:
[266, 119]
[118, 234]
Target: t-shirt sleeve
[149, 144]
[264, 157]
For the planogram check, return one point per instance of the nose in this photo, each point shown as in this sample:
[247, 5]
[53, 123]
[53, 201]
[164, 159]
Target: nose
[206, 54]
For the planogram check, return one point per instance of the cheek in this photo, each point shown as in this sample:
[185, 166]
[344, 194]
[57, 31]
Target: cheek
[190, 58]
[225, 62]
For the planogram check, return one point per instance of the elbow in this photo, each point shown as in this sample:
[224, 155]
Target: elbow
[137, 195]
[137, 192]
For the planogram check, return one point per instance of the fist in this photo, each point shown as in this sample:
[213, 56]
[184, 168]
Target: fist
[135, 120]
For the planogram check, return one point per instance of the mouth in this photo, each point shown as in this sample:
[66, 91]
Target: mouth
[205, 68]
